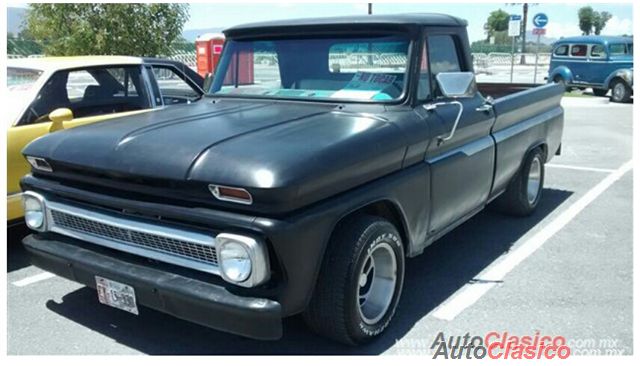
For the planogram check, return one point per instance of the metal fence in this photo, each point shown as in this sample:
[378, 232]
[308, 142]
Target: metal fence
[487, 60]
[482, 61]
[19, 48]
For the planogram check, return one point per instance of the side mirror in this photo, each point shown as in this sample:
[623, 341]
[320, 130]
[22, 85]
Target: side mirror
[208, 80]
[454, 85]
[457, 84]
[58, 117]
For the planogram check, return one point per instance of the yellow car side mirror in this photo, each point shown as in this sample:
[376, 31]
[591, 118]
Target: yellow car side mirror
[58, 117]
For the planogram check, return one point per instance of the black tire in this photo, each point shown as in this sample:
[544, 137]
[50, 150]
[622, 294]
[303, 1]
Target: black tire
[600, 92]
[334, 311]
[620, 91]
[516, 200]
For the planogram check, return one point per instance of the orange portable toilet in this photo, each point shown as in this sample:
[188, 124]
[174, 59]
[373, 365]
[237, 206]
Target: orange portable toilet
[208, 50]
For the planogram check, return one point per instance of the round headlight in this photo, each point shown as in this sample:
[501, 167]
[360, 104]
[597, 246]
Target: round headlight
[235, 261]
[33, 212]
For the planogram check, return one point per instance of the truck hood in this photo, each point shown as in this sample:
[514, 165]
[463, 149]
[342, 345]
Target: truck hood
[280, 151]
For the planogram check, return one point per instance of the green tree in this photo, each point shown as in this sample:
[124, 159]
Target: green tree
[591, 21]
[585, 19]
[106, 29]
[497, 21]
[600, 21]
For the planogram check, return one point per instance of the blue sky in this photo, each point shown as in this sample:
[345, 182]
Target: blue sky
[563, 18]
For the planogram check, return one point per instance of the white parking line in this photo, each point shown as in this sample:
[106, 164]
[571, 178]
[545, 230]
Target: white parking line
[495, 273]
[33, 279]
[573, 167]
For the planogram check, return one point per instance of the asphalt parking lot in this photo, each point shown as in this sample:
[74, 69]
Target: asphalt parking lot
[566, 270]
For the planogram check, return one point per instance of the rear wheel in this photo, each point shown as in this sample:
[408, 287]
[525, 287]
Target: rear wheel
[523, 193]
[620, 91]
[360, 282]
[600, 92]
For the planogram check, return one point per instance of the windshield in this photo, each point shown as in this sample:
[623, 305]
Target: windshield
[21, 79]
[362, 69]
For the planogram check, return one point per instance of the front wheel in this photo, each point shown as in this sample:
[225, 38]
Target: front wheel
[523, 192]
[560, 80]
[620, 92]
[360, 282]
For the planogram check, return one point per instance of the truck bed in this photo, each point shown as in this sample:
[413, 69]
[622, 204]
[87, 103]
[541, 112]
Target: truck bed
[525, 115]
[498, 90]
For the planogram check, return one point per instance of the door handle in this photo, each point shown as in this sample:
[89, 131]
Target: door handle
[486, 108]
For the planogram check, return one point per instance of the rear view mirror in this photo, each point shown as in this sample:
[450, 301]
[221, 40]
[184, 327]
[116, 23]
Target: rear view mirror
[457, 84]
[58, 117]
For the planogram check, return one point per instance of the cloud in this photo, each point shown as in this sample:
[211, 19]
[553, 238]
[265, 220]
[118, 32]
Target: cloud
[362, 8]
[559, 30]
[616, 27]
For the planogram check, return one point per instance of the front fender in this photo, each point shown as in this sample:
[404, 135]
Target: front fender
[624, 74]
[562, 71]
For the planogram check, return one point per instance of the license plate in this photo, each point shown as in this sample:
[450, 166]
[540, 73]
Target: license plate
[116, 294]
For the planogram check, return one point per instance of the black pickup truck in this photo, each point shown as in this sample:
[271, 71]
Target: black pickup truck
[326, 152]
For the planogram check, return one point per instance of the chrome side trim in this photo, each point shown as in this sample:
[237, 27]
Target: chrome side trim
[137, 226]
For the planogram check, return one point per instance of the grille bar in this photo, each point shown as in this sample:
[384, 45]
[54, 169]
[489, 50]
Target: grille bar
[167, 244]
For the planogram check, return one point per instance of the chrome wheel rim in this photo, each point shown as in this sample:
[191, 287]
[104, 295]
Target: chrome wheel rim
[618, 91]
[533, 181]
[376, 283]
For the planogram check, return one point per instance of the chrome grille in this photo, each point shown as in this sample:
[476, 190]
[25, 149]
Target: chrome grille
[136, 238]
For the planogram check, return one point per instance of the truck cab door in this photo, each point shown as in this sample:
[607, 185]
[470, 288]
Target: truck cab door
[461, 163]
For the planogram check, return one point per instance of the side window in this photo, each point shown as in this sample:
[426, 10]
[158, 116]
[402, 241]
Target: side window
[89, 92]
[443, 54]
[618, 49]
[124, 77]
[562, 50]
[53, 95]
[173, 88]
[578, 50]
[597, 51]
[78, 82]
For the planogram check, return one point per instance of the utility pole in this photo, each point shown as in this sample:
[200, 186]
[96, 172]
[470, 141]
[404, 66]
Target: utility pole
[370, 8]
[525, 10]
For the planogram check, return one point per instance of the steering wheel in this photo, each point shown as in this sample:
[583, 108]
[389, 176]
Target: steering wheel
[39, 118]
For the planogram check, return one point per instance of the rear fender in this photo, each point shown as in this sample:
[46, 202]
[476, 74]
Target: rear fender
[624, 74]
[563, 72]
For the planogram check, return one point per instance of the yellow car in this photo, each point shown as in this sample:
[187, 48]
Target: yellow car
[55, 93]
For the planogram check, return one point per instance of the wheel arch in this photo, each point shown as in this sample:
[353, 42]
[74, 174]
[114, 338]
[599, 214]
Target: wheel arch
[542, 144]
[385, 208]
[623, 74]
[562, 71]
